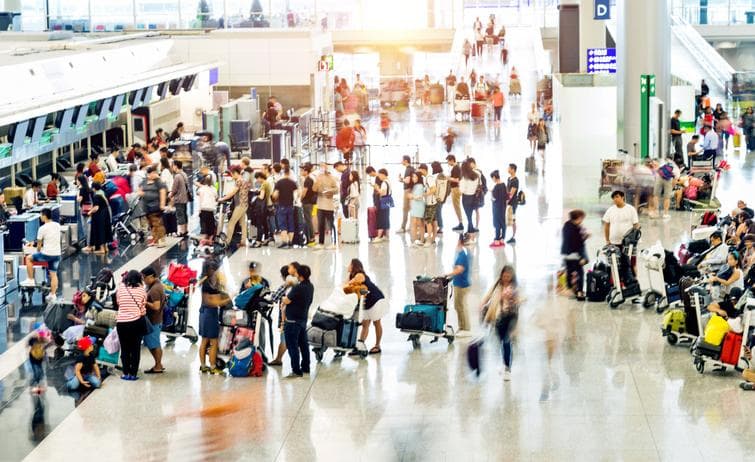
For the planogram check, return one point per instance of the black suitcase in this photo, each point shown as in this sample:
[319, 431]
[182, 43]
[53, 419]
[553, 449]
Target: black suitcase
[691, 324]
[169, 221]
[697, 247]
[474, 353]
[598, 285]
[413, 321]
[529, 165]
[99, 332]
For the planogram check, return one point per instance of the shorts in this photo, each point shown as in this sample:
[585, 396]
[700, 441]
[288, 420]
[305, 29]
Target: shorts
[209, 322]
[511, 214]
[52, 261]
[152, 339]
[377, 311]
[181, 217]
[282, 338]
[663, 188]
[207, 222]
[430, 213]
[284, 215]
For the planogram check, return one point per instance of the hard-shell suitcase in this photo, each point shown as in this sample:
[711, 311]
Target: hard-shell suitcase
[300, 235]
[737, 140]
[598, 286]
[730, 349]
[530, 165]
[347, 338]
[674, 321]
[690, 315]
[474, 354]
[319, 338]
[350, 231]
[372, 231]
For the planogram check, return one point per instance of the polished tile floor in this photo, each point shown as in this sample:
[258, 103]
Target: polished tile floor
[613, 390]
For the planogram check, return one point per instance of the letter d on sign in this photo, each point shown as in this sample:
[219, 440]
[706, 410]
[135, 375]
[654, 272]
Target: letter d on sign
[602, 10]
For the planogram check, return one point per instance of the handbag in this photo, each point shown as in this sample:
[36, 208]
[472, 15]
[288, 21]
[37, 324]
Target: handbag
[85, 209]
[386, 201]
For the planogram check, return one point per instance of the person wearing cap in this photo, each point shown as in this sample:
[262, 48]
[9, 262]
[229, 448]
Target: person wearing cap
[254, 274]
[154, 196]
[454, 178]
[155, 305]
[240, 196]
[86, 372]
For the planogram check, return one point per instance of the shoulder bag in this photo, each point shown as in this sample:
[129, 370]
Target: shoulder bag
[386, 201]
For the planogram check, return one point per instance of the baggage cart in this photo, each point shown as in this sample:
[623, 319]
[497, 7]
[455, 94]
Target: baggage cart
[346, 339]
[423, 294]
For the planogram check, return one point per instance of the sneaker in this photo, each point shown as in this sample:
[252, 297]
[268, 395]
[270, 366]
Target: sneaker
[511, 241]
[204, 369]
[28, 282]
[377, 239]
[51, 298]
[459, 227]
[311, 244]
[417, 243]
[294, 375]
[475, 230]
[427, 244]
[216, 371]
[507, 375]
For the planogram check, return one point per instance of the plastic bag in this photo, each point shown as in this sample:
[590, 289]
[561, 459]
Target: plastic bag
[340, 303]
[112, 343]
[181, 275]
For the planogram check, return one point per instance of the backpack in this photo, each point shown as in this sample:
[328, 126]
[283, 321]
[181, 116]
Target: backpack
[258, 364]
[441, 188]
[666, 172]
[240, 364]
[521, 198]
[243, 298]
[483, 182]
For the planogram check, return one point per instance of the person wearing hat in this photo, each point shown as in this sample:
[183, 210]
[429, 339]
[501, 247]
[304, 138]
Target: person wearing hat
[254, 275]
[86, 371]
[155, 305]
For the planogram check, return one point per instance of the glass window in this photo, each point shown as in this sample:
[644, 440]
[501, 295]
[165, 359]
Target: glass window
[69, 15]
[112, 15]
[158, 14]
[33, 15]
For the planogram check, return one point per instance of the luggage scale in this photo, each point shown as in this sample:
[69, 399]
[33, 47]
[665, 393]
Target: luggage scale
[700, 359]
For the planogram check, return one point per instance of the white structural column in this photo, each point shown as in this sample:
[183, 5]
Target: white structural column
[643, 47]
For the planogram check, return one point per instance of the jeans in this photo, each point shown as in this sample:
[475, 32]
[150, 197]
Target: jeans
[130, 334]
[469, 202]
[324, 221]
[37, 373]
[499, 222]
[504, 325]
[308, 226]
[439, 215]
[81, 227]
[73, 383]
[298, 346]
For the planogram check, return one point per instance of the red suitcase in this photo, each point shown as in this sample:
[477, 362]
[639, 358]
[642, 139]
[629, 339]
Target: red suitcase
[730, 349]
[372, 222]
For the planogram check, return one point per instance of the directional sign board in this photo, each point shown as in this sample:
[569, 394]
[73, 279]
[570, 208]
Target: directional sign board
[601, 60]
[602, 10]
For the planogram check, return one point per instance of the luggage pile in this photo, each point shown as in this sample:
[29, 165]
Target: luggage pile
[242, 332]
[176, 312]
[427, 316]
[334, 329]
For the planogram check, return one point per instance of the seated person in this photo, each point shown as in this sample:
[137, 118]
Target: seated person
[692, 151]
[31, 195]
[5, 210]
[713, 259]
[86, 371]
[53, 186]
[748, 374]
[730, 277]
[743, 208]
[748, 253]
[254, 277]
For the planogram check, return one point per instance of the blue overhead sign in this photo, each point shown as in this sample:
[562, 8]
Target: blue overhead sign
[601, 60]
[602, 10]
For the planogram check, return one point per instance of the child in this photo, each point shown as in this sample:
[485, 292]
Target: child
[87, 374]
[36, 361]
[500, 197]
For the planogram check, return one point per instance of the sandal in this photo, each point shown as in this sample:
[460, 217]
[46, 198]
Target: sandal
[375, 351]
[153, 371]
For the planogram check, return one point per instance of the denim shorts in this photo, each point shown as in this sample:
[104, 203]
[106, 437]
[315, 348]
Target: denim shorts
[52, 261]
[285, 217]
[209, 322]
[152, 339]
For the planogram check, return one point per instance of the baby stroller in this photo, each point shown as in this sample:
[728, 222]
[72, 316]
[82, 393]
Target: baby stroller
[659, 272]
[122, 227]
[102, 287]
[335, 325]
[625, 284]
[728, 351]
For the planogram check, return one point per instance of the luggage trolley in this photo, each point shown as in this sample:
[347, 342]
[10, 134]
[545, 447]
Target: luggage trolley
[658, 292]
[705, 353]
[342, 339]
[682, 326]
[628, 286]
[428, 315]
[180, 315]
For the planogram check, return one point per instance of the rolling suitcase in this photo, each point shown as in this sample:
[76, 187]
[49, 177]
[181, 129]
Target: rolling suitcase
[350, 231]
[529, 165]
[474, 354]
[690, 315]
[169, 220]
[372, 222]
[730, 350]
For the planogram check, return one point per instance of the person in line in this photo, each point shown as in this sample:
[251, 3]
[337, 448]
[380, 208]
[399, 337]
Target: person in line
[48, 251]
[676, 136]
[382, 188]
[179, 195]
[297, 304]
[166, 174]
[574, 253]
[748, 128]
[431, 205]
[288, 274]
[213, 298]
[460, 280]
[354, 191]
[101, 232]
[208, 202]
[86, 371]
[619, 219]
[345, 140]
[666, 176]
[154, 196]
[343, 172]
[543, 138]
[417, 208]
[53, 187]
[155, 306]
[326, 187]
[31, 195]
[501, 311]
[454, 179]
[240, 196]
[308, 201]
[483, 186]
[285, 189]
[130, 322]
[468, 185]
[360, 140]
[443, 190]
[375, 304]
[500, 199]
[406, 179]
[111, 161]
[84, 199]
[512, 186]
[263, 205]
[94, 164]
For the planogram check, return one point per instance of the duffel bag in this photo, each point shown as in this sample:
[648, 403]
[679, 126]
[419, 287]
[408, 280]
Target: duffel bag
[327, 321]
[56, 316]
[106, 318]
[433, 292]
[414, 321]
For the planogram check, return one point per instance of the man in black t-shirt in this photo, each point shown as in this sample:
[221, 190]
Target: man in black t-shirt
[512, 185]
[308, 201]
[284, 210]
[453, 180]
[297, 304]
[406, 178]
[676, 137]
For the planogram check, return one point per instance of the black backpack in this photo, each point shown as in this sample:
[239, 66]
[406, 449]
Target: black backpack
[598, 286]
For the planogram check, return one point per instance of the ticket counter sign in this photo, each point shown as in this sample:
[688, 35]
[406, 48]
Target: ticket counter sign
[601, 60]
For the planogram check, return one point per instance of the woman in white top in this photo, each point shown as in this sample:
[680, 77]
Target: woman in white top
[166, 176]
[735, 280]
[470, 180]
[354, 192]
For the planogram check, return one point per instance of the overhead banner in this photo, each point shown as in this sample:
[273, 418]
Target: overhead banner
[601, 60]
[602, 10]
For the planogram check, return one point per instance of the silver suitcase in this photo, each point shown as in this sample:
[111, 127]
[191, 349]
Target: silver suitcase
[350, 231]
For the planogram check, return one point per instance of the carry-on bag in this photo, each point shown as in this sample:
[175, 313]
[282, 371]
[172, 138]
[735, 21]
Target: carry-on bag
[170, 223]
[474, 355]
[413, 321]
[372, 231]
[350, 231]
[716, 330]
[529, 165]
[234, 317]
[433, 292]
[326, 320]
[347, 338]
[598, 285]
[319, 338]
[730, 349]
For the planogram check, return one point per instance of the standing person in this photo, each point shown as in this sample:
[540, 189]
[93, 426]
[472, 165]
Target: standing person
[619, 219]
[405, 178]
[53, 186]
[453, 181]
[665, 178]
[543, 138]
[308, 201]
[460, 275]
[180, 194]
[512, 185]
[345, 140]
[101, 233]
[748, 128]
[500, 197]
[360, 140]
[326, 187]
[451, 84]
[240, 196]
[166, 174]
[284, 194]
[574, 253]
[532, 118]
[417, 208]
[130, 322]
[375, 305]
[208, 203]
[155, 305]
[482, 190]
[84, 199]
[676, 133]
[343, 172]
[467, 51]
[431, 205]
[479, 39]
[354, 192]
[385, 125]
[704, 90]
[154, 196]
[48, 251]
[213, 298]
[710, 143]
[177, 132]
[501, 308]
[111, 161]
[288, 274]
[297, 304]
[382, 188]
[442, 190]
[497, 99]
[448, 139]
[468, 185]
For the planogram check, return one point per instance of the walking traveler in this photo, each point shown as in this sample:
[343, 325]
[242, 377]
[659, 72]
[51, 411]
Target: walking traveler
[326, 187]
[383, 201]
[665, 178]
[131, 322]
[375, 304]
[748, 128]
[297, 304]
[574, 253]
[284, 192]
[213, 298]
[497, 99]
[180, 194]
[405, 178]
[155, 305]
[501, 310]
[460, 280]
